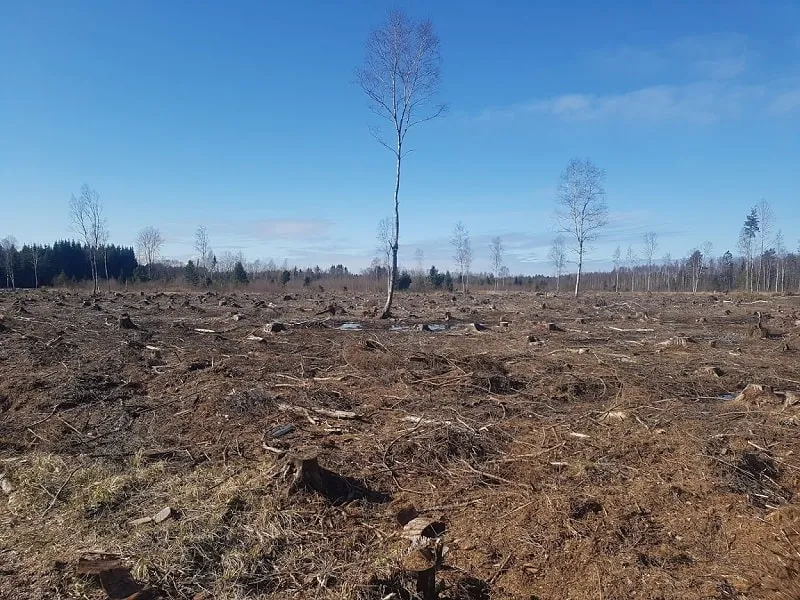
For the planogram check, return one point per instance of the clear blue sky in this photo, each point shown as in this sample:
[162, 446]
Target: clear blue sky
[243, 116]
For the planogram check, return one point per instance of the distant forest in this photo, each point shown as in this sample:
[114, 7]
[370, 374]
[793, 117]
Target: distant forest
[67, 262]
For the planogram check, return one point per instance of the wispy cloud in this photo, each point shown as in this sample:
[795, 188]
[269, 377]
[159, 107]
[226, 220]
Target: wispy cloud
[706, 79]
[698, 103]
[785, 103]
[713, 56]
[710, 56]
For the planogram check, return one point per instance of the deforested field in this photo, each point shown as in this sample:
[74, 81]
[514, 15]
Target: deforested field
[203, 445]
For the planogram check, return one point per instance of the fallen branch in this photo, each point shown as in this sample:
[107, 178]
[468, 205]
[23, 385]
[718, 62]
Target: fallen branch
[61, 489]
[496, 478]
[334, 414]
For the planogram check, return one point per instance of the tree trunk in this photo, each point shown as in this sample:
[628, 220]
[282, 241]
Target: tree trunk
[105, 264]
[94, 271]
[387, 309]
[580, 269]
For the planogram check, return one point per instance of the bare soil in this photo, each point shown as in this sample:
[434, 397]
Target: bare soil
[563, 449]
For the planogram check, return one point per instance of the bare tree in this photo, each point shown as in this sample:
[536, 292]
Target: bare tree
[104, 246]
[667, 262]
[228, 260]
[617, 260]
[504, 274]
[37, 253]
[148, 244]
[581, 195]
[201, 244]
[650, 247]
[695, 263]
[707, 262]
[780, 268]
[558, 256]
[385, 240]
[463, 253]
[631, 258]
[496, 251]
[9, 248]
[400, 76]
[86, 215]
[419, 259]
[764, 212]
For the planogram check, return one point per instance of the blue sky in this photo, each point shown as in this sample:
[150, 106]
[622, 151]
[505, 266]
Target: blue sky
[244, 117]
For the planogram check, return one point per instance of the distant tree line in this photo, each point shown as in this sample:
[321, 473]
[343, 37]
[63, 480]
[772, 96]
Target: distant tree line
[64, 262]
[762, 265]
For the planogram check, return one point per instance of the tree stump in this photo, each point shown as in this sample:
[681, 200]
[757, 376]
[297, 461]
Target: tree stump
[125, 322]
[426, 584]
[306, 473]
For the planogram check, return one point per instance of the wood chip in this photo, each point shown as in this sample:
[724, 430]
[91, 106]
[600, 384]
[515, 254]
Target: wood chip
[162, 515]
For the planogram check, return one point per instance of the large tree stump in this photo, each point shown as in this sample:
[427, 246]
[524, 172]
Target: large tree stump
[306, 473]
[426, 554]
[125, 322]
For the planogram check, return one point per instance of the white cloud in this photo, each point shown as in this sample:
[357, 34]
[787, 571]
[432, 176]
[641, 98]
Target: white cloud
[713, 56]
[698, 103]
[785, 103]
[705, 81]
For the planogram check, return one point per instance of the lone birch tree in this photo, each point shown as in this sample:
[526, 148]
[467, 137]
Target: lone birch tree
[148, 243]
[400, 76]
[558, 256]
[419, 259]
[496, 256]
[37, 253]
[583, 210]
[650, 247]
[617, 260]
[764, 212]
[86, 215]
[201, 244]
[462, 253]
[631, 259]
[780, 267]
